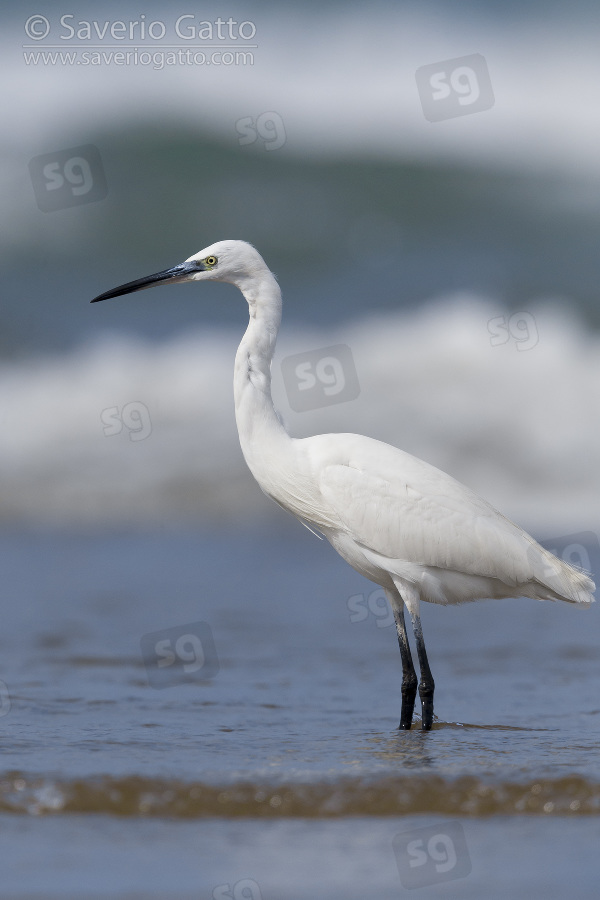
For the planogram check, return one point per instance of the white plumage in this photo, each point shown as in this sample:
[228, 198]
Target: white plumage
[402, 523]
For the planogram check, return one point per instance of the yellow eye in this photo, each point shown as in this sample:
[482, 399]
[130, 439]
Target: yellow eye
[211, 261]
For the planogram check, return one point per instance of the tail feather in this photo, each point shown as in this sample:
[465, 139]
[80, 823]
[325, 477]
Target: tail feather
[563, 581]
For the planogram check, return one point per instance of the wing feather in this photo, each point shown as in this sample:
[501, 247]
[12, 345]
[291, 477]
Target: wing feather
[412, 512]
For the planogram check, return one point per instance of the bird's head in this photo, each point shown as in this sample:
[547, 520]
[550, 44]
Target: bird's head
[234, 261]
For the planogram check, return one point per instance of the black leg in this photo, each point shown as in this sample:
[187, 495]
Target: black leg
[426, 684]
[409, 677]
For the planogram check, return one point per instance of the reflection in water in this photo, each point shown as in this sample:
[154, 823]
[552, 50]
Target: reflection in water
[409, 748]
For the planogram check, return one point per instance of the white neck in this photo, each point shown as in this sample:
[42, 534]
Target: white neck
[262, 436]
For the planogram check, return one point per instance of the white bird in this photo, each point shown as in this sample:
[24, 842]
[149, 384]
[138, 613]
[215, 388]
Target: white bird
[397, 520]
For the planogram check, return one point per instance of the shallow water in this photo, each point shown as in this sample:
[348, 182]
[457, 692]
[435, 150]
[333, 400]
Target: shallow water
[100, 856]
[294, 738]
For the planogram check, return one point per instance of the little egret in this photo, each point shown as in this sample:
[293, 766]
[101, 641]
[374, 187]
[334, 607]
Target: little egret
[402, 523]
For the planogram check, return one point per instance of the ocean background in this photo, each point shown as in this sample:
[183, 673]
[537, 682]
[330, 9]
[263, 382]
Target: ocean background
[457, 260]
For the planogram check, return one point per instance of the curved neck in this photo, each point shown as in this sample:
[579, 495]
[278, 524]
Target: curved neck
[259, 428]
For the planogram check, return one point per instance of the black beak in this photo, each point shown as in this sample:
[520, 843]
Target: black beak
[177, 273]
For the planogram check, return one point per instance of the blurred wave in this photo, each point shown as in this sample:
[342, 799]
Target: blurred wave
[359, 204]
[125, 431]
[345, 237]
[352, 182]
[414, 794]
[541, 76]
